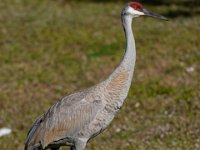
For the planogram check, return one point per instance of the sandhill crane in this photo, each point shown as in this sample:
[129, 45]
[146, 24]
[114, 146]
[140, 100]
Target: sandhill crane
[77, 118]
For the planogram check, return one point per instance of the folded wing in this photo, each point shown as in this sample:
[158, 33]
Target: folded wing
[64, 119]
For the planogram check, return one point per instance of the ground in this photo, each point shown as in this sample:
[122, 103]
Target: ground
[52, 48]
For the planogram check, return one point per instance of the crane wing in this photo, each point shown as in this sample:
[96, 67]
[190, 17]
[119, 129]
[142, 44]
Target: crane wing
[64, 119]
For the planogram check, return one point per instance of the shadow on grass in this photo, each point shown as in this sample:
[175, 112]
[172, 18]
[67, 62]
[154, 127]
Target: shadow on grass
[187, 8]
[184, 8]
[181, 13]
[187, 3]
[152, 2]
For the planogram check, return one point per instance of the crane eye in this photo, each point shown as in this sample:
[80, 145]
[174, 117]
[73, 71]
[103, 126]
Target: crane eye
[139, 9]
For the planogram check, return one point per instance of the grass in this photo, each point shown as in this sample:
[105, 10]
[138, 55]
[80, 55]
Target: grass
[52, 48]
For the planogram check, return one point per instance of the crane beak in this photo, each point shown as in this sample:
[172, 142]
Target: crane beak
[154, 15]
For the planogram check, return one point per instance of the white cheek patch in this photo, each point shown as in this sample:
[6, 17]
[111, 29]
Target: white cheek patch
[135, 12]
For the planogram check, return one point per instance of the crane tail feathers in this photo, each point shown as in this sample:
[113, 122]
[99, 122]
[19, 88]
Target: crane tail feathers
[32, 134]
[29, 136]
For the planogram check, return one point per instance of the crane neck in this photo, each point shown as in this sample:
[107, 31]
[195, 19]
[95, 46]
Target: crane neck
[128, 61]
[122, 76]
[130, 51]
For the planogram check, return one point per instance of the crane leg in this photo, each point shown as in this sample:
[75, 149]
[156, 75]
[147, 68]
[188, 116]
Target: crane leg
[72, 148]
[79, 145]
[57, 148]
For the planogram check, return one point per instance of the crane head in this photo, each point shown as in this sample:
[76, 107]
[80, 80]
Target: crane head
[135, 9]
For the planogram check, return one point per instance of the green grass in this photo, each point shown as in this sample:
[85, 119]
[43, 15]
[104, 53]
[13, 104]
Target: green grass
[52, 48]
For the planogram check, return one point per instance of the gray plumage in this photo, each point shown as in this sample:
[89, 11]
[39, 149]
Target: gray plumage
[77, 118]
